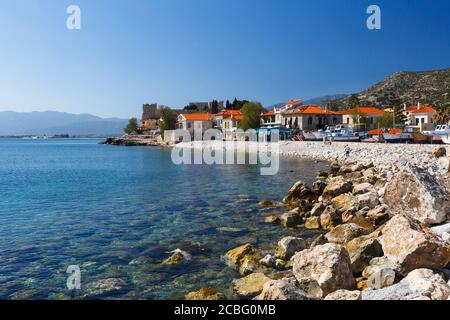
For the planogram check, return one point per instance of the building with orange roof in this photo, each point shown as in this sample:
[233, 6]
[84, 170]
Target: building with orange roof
[195, 123]
[274, 117]
[310, 118]
[420, 115]
[228, 122]
[361, 117]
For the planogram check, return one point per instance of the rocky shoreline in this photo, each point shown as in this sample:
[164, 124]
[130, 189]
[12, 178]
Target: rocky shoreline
[385, 232]
[134, 141]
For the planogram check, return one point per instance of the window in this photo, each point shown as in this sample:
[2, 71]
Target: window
[188, 125]
[310, 120]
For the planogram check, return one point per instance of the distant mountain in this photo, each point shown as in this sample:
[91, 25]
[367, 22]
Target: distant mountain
[426, 87]
[322, 101]
[52, 122]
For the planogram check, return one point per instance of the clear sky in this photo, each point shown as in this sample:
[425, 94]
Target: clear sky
[174, 51]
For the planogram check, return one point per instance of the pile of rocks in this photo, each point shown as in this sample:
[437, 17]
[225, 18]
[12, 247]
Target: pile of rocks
[386, 235]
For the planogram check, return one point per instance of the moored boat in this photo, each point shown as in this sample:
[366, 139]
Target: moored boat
[401, 137]
[446, 139]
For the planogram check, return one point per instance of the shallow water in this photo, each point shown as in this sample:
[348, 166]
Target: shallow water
[117, 212]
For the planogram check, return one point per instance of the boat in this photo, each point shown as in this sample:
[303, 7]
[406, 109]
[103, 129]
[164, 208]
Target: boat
[401, 137]
[340, 133]
[446, 139]
[441, 130]
[309, 136]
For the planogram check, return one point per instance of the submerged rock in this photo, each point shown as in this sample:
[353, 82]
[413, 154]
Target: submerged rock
[328, 265]
[271, 219]
[251, 285]
[177, 256]
[283, 289]
[409, 248]
[204, 294]
[103, 286]
[288, 246]
[267, 203]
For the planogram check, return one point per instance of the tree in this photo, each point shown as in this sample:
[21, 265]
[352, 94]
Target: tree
[359, 118]
[397, 107]
[191, 107]
[252, 115]
[353, 101]
[132, 126]
[228, 105]
[214, 107]
[168, 118]
[442, 116]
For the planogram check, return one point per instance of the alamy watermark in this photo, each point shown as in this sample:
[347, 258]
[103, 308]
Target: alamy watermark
[73, 21]
[374, 20]
[209, 147]
[74, 278]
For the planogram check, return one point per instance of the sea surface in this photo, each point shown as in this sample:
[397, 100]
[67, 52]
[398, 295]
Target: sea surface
[117, 212]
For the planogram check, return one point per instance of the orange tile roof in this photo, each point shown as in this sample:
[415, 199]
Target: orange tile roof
[228, 112]
[309, 110]
[366, 110]
[421, 109]
[197, 116]
[239, 117]
[270, 113]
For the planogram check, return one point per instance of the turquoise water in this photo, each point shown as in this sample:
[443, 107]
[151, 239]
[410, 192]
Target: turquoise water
[117, 212]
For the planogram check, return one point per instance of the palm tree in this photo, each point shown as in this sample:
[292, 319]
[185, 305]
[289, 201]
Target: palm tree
[442, 115]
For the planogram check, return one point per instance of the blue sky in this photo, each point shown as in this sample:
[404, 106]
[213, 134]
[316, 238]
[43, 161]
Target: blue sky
[175, 51]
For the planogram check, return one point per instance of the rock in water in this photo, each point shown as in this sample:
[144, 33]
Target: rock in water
[344, 295]
[288, 246]
[251, 285]
[417, 193]
[299, 191]
[283, 289]
[204, 294]
[177, 257]
[346, 232]
[104, 286]
[245, 258]
[291, 218]
[408, 247]
[419, 284]
[328, 265]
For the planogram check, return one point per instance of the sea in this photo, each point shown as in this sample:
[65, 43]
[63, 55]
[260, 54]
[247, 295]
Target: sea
[115, 213]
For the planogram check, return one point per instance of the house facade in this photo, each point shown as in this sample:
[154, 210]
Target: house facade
[310, 118]
[361, 118]
[421, 116]
[274, 118]
[195, 123]
[228, 122]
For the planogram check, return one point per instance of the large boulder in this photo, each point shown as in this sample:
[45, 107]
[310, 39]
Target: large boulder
[417, 193]
[288, 246]
[330, 218]
[299, 191]
[312, 223]
[419, 284]
[318, 187]
[362, 250]
[343, 202]
[337, 186]
[379, 215]
[317, 209]
[250, 286]
[369, 200]
[291, 218]
[409, 247]
[363, 188]
[283, 289]
[328, 265]
[346, 232]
